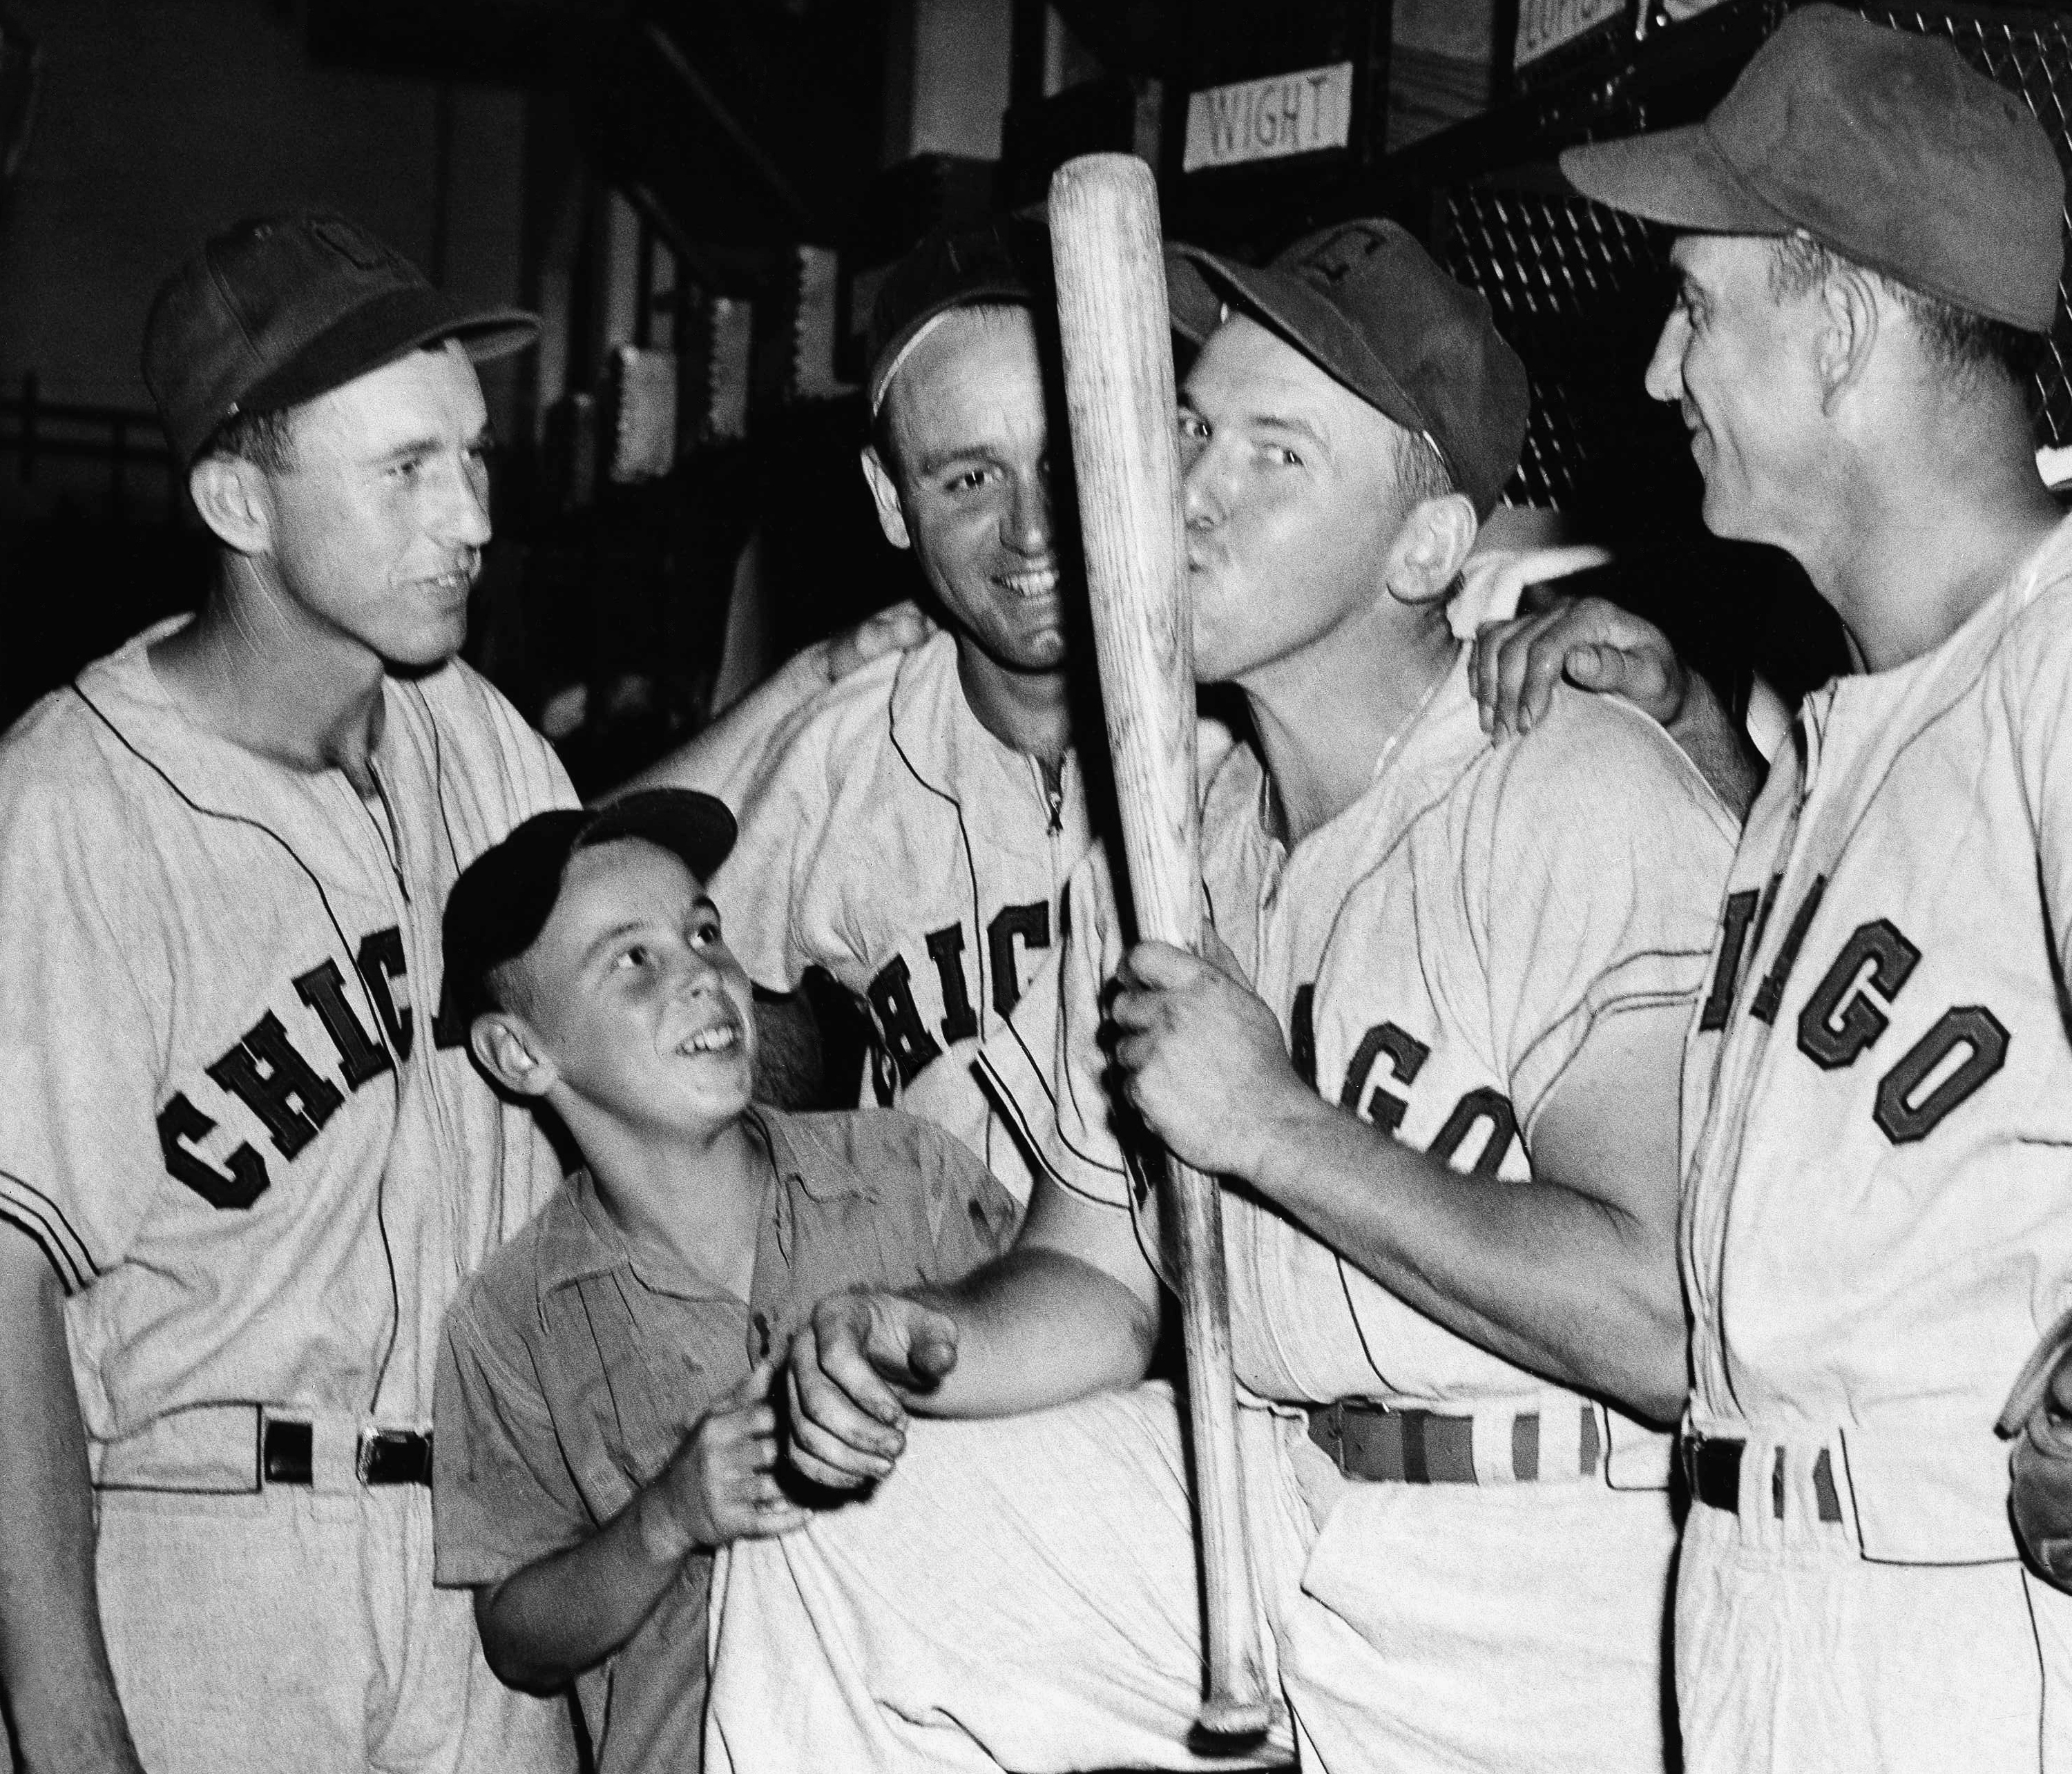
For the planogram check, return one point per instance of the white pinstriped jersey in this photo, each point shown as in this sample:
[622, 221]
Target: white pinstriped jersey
[257, 1165]
[1878, 1088]
[1436, 954]
[893, 840]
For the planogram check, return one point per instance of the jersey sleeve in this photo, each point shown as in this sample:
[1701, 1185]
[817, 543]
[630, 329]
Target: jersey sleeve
[1047, 1068]
[1597, 856]
[971, 1217]
[727, 757]
[756, 887]
[85, 1019]
[502, 1495]
[2042, 717]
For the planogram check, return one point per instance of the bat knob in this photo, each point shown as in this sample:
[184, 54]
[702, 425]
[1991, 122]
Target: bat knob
[1229, 1722]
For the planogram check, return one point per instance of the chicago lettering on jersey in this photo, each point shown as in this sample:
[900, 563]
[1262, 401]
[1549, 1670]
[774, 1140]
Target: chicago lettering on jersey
[287, 1090]
[1849, 1010]
[1400, 1057]
[908, 1044]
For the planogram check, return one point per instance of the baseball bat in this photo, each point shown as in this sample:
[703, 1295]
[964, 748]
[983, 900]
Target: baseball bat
[1118, 351]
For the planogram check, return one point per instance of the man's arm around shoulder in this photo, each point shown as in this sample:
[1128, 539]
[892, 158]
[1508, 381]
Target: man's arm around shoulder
[60, 1692]
[1597, 647]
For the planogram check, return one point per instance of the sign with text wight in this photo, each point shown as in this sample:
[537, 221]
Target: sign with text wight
[1267, 119]
[1544, 25]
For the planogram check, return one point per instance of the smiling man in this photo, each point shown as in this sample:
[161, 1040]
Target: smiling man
[912, 830]
[1877, 1218]
[1437, 1066]
[244, 1165]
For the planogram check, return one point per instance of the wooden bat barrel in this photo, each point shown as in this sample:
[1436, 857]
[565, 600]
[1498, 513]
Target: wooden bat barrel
[1118, 352]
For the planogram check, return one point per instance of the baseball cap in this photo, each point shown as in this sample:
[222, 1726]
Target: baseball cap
[504, 898]
[1880, 144]
[1006, 259]
[1365, 303]
[277, 310]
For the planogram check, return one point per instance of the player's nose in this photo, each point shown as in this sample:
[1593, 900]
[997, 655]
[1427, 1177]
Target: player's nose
[461, 516]
[1202, 502]
[1026, 524]
[1665, 369]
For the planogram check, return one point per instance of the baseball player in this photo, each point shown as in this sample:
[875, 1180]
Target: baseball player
[243, 1164]
[1437, 1059]
[1878, 1219]
[912, 828]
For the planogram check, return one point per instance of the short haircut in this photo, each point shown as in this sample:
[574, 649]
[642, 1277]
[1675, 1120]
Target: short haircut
[1962, 344]
[266, 440]
[1421, 473]
[883, 430]
[509, 987]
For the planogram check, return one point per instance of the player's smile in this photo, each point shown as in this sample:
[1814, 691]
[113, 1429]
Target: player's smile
[1032, 583]
[1738, 361]
[720, 1036]
[973, 496]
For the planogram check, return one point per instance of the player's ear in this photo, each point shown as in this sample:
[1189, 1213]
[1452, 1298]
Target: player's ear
[511, 1053]
[1851, 310]
[1431, 549]
[885, 495]
[230, 493]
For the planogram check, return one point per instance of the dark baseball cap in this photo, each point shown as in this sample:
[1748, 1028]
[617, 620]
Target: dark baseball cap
[1879, 143]
[1005, 261]
[504, 898]
[277, 310]
[1365, 303]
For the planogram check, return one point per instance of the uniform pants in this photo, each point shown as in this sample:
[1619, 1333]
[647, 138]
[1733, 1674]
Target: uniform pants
[295, 1629]
[1022, 1593]
[1796, 1655]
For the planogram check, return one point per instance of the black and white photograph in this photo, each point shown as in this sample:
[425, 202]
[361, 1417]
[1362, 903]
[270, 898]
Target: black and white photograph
[1035, 887]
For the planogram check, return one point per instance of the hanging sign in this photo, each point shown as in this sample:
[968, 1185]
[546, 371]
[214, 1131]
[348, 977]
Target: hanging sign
[1270, 119]
[1544, 25]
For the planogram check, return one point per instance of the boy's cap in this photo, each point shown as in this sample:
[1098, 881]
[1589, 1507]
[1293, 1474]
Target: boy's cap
[1880, 144]
[277, 310]
[1365, 303]
[1005, 261]
[504, 898]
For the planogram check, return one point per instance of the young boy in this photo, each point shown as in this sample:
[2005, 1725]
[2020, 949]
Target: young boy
[603, 1414]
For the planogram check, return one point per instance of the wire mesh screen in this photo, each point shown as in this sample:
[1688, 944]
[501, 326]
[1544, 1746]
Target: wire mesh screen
[1582, 291]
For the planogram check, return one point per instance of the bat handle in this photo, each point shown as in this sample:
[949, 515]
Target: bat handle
[1239, 1704]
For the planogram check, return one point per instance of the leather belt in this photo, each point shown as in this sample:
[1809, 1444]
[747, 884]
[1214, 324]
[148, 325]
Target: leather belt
[1712, 1468]
[1412, 1447]
[385, 1456]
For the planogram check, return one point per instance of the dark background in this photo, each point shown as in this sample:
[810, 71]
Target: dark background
[720, 182]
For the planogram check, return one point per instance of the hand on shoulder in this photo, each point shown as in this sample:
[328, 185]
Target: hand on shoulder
[898, 629]
[1587, 642]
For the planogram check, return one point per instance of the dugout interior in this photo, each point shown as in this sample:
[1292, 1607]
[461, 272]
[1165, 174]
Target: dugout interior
[1582, 291]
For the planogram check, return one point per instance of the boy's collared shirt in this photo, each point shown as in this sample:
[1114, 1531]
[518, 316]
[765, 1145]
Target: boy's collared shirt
[572, 1369]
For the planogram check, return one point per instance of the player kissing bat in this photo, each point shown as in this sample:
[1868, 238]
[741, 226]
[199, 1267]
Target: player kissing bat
[1118, 350]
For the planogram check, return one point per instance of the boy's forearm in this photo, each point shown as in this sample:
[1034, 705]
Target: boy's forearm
[546, 1623]
[60, 1692]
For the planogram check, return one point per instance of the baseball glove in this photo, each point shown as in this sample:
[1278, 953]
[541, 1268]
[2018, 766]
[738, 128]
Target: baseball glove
[2038, 1414]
